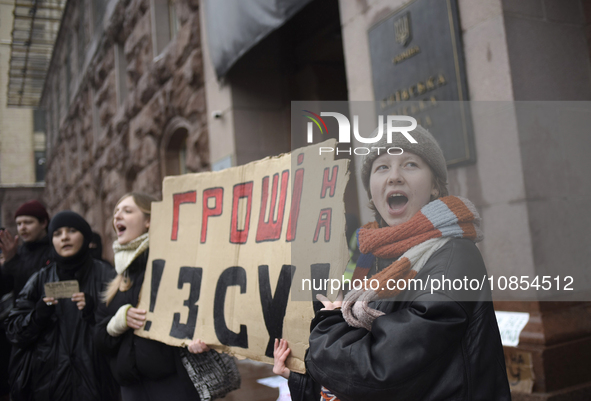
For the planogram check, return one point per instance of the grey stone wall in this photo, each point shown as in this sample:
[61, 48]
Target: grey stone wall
[101, 147]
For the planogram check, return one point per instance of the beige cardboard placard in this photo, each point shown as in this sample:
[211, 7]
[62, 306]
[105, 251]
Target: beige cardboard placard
[231, 250]
[510, 326]
[520, 371]
[61, 289]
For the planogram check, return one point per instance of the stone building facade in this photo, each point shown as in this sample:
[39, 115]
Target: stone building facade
[125, 104]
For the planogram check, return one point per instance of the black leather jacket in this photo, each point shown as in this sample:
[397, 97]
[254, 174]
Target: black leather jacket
[30, 258]
[54, 356]
[440, 346]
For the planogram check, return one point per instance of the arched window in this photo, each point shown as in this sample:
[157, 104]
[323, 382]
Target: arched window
[175, 154]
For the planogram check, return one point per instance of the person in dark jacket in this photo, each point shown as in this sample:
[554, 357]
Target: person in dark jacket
[54, 357]
[35, 252]
[19, 264]
[402, 336]
[146, 369]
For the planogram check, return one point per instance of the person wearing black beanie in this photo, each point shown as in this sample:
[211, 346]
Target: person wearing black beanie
[73, 246]
[54, 357]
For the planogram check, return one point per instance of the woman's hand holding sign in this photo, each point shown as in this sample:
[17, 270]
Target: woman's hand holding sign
[280, 354]
[136, 318]
[328, 304]
[197, 346]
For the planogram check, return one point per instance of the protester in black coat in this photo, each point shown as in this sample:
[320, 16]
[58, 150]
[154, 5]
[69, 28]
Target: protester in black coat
[19, 264]
[54, 357]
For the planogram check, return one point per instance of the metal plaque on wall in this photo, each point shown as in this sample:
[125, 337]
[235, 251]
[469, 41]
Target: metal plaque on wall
[418, 70]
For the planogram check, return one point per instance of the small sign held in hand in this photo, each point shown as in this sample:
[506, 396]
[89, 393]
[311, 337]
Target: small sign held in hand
[61, 289]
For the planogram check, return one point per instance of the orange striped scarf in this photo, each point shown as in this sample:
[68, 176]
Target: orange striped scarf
[412, 243]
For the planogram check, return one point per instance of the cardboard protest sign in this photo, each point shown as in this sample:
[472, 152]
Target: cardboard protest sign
[61, 289]
[232, 253]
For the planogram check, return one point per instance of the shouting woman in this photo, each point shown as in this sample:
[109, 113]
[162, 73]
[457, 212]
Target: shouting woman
[401, 338]
[145, 369]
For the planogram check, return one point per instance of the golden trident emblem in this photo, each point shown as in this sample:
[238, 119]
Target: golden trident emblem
[402, 29]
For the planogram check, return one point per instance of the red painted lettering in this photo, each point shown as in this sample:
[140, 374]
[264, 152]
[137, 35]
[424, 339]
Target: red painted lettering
[270, 230]
[329, 183]
[177, 200]
[324, 220]
[244, 190]
[211, 193]
[296, 197]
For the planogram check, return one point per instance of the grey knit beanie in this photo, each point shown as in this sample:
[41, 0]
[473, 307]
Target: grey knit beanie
[427, 147]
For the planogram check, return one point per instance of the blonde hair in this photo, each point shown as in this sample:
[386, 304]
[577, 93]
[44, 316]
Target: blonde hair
[121, 282]
[117, 284]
